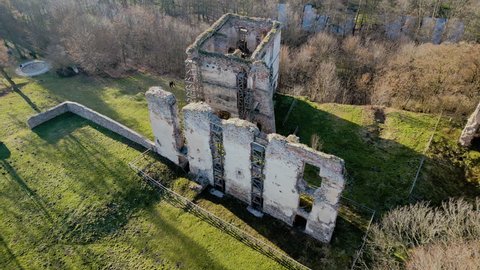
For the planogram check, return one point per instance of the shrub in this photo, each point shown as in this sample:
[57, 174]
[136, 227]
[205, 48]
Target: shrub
[412, 235]
[431, 78]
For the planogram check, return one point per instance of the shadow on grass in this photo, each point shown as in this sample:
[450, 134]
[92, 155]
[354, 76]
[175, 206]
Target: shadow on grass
[87, 224]
[4, 151]
[198, 255]
[120, 195]
[26, 98]
[11, 258]
[449, 171]
[14, 176]
[39, 203]
[380, 171]
[292, 240]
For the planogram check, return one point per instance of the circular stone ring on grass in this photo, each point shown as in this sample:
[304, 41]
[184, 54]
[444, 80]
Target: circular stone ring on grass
[32, 68]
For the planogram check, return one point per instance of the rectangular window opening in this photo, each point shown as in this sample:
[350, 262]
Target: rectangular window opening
[311, 175]
[305, 202]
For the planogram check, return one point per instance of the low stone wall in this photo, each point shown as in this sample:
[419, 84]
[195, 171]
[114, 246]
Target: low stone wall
[93, 116]
[49, 114]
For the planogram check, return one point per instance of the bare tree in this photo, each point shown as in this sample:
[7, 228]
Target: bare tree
[4, 63]
[404, 235]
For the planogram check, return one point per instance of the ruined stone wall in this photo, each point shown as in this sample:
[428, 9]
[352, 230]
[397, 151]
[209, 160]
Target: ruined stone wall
[196, 119]
[283, 166]
[226, 35]
[321, 219]
[93, 116]
[217, 77]
[164, 120]
[237, 137]
[282, 170]
[282, 13]
[219, 82]
[472, 128]
[283, 161]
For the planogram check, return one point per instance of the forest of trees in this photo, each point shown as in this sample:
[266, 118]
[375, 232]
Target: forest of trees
[116, 37]
[417, 77]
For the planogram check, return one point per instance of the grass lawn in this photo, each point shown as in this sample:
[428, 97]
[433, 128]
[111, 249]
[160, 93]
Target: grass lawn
[382, 149]
[69, 200]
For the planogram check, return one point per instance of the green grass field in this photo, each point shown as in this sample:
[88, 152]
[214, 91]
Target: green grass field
[379, 177]
[68, 199]
[382, 152]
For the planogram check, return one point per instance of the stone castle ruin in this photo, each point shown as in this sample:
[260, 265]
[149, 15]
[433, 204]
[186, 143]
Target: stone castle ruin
[236, 158]
[225, 137]
[233, 67]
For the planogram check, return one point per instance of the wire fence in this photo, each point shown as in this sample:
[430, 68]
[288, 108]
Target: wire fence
[187, 205]
[294, 102]
[359, 252]
[412, 187]
[422, 160]
[359, 215]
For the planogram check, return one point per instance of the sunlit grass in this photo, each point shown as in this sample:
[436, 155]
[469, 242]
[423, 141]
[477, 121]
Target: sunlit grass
[68, 199]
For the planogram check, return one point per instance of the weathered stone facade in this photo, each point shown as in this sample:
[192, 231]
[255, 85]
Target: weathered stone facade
[264, 171]
[238, 135]
[285, 163]
[163, 110]
[282, 166]
[234, 66]
[228, 134]
[472, 128]
[196, 120]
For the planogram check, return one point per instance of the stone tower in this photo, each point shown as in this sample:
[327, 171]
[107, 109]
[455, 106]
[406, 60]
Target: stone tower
[233, 67]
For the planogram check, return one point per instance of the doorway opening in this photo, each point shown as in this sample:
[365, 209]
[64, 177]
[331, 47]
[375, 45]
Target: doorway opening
[299, 222]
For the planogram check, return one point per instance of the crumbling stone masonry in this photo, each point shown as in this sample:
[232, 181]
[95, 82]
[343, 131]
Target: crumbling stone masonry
[264, 171]
[197, 118]
[233, 67]
[163, 110]
[285, 162]
[471, 129]
[235, 157]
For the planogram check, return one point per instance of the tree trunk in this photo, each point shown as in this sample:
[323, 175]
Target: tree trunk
[20, 53]
[9, 79]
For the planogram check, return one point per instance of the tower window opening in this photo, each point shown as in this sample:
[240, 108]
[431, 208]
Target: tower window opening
[242, 44]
